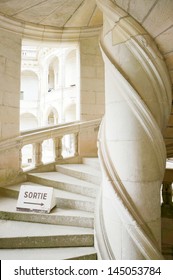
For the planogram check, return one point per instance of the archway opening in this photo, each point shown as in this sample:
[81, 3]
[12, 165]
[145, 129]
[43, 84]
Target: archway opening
[28, 121]
[49, 79]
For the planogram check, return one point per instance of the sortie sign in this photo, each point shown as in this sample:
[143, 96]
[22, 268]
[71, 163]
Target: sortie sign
[36, 199]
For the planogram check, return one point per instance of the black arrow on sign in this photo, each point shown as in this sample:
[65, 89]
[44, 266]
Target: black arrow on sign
[34, 203]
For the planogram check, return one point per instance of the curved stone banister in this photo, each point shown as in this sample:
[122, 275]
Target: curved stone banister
[142, 113]
[35, 138]
[125, 30]
[140, 234]
[132, 150]
[44, 133]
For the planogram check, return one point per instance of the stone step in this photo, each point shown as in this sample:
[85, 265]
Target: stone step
[29, 235]
[64, 199]
[64, 182]
[80, 253]
[81, 171]
[167, 251]
[15, 235]
[92, 161]
[57, 216]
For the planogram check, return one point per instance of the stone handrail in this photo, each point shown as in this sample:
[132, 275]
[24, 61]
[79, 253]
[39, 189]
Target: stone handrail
[37, 136]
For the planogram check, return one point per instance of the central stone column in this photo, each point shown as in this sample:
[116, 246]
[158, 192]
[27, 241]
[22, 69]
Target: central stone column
[138, 102]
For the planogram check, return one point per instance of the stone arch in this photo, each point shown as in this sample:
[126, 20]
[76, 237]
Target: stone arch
[28, 121]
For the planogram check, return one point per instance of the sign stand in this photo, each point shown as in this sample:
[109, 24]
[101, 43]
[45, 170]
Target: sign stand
[36, 199]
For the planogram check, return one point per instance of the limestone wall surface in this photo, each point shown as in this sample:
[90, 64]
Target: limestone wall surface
[92, 98]
[92, 79]
[10, 57]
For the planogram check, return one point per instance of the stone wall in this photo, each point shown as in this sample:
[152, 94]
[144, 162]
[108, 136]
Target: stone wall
[92, 79]
[92, 99]
[10, 57]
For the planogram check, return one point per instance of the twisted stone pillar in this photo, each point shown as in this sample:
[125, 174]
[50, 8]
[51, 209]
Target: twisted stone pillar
[132, 150]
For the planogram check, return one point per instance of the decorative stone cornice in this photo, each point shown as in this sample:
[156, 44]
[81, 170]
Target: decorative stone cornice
[46, 33]
[11, 25]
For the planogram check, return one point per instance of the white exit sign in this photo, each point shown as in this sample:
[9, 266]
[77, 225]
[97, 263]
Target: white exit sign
[36, 199]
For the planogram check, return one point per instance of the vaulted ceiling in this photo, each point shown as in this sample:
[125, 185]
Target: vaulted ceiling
[55, 13]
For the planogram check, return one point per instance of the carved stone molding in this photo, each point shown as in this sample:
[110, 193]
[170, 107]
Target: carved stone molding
[46, 33]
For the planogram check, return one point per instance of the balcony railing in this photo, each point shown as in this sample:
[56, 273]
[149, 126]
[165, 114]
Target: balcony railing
[68, 92]
[36, 137]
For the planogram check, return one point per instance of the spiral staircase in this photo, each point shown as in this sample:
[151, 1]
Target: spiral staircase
[132, 159]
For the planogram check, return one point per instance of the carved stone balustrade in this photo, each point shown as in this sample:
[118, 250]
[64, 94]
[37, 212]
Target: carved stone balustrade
[58, 147]
[56, 133]
[75, 144]
[37, 154]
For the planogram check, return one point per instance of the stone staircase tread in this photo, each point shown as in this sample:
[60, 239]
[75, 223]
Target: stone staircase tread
[82, 168]
[8, 204]
[81, 171]
[59, 177]
[58, 193]
[72, 196]
[12, 229]
[92, 161]
[48, 253]
[65, 233]
[64, 182]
